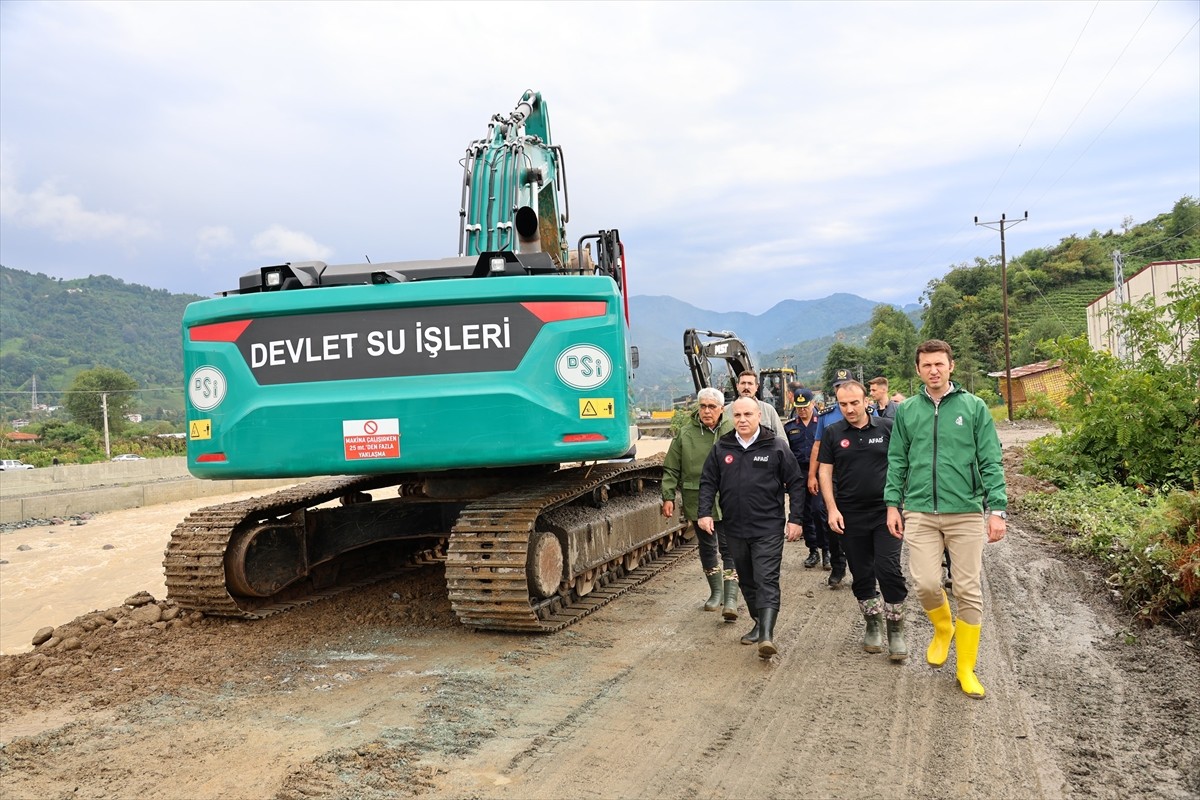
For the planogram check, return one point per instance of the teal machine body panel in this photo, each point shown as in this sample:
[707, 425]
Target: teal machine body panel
[458, 373]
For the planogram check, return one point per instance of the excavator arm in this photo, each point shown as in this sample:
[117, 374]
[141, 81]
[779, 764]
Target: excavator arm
[724, 345]
[514, 192]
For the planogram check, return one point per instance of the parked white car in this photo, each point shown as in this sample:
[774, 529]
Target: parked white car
[129, 457]
[12, 463]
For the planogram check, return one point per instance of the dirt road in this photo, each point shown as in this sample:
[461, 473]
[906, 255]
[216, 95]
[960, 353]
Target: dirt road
[384, 694]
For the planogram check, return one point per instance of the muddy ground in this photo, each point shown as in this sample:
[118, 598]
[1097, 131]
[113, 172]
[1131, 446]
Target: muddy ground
[382, 693]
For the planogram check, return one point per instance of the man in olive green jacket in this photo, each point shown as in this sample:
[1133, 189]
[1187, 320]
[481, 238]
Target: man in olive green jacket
[681, 470]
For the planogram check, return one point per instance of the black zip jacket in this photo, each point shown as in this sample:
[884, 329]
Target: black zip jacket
[752, 482]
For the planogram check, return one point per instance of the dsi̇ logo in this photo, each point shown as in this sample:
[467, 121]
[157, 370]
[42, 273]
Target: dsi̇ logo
[583, 366]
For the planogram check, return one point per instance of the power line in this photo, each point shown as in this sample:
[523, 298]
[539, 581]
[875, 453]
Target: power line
[1088, 102]
[1037, 114]
[1120, 111]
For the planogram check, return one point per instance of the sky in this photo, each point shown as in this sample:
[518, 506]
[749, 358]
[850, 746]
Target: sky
[747, 152]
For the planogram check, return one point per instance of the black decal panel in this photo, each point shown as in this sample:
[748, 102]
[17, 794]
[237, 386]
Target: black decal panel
[432, 340]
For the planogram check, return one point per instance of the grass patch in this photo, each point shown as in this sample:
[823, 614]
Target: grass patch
[1149, 544]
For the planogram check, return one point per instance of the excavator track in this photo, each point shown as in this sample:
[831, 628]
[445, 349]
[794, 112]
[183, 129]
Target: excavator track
[487, 556]
[194, 562]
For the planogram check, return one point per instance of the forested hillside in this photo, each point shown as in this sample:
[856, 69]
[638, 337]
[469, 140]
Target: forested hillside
[53, 329]
[1049, 290]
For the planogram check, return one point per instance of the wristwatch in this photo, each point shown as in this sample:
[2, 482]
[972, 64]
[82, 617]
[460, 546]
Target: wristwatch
[1001, 514]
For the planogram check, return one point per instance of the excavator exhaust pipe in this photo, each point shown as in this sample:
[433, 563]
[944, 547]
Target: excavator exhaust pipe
[529, 238]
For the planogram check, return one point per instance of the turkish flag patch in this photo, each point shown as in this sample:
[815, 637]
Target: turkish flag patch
[728, 459]
[844, 443]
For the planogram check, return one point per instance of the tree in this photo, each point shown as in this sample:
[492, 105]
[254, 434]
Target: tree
[1036, 343]
[92, 388]
[1138, 422]
[843, 356]
[891, 347]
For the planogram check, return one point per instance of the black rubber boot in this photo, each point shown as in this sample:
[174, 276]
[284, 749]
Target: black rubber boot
[825, 559]
[766, 626]
[814, 558]
[837, 576]
[751, 637]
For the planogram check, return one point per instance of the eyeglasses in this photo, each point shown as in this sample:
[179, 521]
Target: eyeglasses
[708, 406]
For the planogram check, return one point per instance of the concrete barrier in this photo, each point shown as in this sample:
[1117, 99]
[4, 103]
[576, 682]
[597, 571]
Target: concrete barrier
[67, 490]
[74, 477]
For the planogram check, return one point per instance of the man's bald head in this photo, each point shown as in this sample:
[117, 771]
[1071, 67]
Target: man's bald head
[746, 416]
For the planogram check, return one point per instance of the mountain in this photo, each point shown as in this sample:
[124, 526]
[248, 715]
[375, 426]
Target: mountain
[798, 331]
[53, 328]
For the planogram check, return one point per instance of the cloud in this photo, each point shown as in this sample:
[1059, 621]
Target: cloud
[63, 214]
[213, 239]
[283, 244]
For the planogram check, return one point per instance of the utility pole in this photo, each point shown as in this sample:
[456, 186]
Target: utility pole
[104, 408]
[1003, 222]
[1116, 320]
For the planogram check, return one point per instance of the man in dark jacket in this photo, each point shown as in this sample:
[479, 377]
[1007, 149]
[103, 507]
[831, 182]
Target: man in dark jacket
[801, 430]
[853, 470]
[752, 469]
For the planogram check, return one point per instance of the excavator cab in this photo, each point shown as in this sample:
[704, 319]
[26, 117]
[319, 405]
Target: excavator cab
[774, 387]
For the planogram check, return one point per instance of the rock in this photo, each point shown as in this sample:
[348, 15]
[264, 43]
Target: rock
[3, 561]
[52, 643]
[114, 614]
[71, 643]
[90, 624]
[57, 671]
[140, 599]
[23, 547]
[79, 522]
[42, 635]
[56, 521]
[36, 663]
[171, 613]
[124, 624]
[146, 615]
[69, 630]
[107, 547]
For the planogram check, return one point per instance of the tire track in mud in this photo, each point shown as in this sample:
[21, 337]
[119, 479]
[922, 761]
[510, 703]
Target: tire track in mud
[821, 719]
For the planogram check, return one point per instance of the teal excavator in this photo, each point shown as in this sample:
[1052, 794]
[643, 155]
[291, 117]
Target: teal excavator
[475, 410]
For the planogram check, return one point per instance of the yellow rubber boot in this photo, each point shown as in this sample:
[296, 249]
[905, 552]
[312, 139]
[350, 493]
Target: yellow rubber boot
[968, 650]
[943, 632]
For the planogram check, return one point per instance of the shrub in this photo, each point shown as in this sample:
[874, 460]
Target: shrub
[1037, 406]
[1149, 544]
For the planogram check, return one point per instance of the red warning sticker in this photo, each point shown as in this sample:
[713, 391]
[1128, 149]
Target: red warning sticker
[371, 438]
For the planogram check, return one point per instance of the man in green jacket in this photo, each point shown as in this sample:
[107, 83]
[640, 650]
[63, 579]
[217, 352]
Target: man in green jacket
[944, 468]
[681, 470]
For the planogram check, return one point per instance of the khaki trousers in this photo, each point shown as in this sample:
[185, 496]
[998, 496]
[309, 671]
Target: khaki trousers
[964, 536]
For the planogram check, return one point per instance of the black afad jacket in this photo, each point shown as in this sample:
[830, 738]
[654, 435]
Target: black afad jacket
[752, 483]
